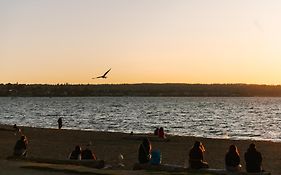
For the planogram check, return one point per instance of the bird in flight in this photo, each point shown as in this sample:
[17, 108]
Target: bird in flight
[104, 75]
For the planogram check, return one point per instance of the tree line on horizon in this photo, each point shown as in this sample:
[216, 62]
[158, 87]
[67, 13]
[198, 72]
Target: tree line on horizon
[146, 89]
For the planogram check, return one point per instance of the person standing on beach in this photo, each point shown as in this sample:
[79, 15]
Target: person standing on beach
[17, 130]
[20, 149]
[144, 151]
[253, 159]
[232, 159]
[196, 156]
[60, 123]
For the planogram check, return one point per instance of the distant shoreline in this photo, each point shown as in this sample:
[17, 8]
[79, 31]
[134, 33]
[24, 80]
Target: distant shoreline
[136, 90]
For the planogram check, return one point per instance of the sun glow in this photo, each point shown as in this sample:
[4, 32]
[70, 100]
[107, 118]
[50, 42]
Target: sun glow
[142, 41]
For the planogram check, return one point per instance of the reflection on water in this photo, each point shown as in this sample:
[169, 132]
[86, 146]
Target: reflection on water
[235, 118]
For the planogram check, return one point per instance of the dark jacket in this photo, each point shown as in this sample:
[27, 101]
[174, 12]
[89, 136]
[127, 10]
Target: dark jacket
[75, 155]
[87, 154]
[253, 160]
[195, 157]
[232, 159]
[144, 152]
[20, 145]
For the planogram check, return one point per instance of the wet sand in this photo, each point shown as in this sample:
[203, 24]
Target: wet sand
[57, 144]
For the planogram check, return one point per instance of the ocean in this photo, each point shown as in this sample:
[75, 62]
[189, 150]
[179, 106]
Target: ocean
[255, 118]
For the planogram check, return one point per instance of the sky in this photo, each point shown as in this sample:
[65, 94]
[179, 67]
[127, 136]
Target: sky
[142, 41]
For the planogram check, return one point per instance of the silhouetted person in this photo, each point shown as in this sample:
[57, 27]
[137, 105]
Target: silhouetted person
[20, 148]
[156, 131]
[60, 123]
[232, 159]
[17, 130]
[144, 151]
[76, 153]
[196, 156]
[161, 133]
[87, 154]
[253, 159]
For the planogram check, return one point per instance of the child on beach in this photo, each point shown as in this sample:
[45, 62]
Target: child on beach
[232, 159]
[76, 153]
[253, 159]
[20, 148]
[196, 156]
[144, 151]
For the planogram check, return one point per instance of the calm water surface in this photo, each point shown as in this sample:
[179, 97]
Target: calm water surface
[234, 118]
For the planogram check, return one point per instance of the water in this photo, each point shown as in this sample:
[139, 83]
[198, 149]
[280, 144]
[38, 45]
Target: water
[233, 118]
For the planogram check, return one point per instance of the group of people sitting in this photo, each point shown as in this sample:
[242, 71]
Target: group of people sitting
[20, 150]
[79, 154]
[253, 158]
[160, 132]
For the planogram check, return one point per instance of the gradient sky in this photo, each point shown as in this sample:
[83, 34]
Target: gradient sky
[143, 41]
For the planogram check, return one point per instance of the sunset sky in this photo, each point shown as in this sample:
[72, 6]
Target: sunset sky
[143, 41]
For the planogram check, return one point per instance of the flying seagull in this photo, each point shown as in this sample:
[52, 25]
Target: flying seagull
[104, 75]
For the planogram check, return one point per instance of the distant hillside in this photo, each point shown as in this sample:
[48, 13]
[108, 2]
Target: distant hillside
[186, 90]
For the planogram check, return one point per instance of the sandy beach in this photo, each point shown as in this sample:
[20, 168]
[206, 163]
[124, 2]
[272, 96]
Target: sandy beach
[57, 144]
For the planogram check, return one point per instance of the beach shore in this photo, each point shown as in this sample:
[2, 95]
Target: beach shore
[57, 144]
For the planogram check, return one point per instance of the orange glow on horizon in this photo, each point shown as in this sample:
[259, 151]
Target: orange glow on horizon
[45, 42]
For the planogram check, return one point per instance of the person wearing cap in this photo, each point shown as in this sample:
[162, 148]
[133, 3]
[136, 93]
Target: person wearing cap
[253, 159]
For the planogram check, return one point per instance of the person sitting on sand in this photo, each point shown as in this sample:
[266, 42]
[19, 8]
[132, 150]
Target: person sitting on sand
[76, 153]
[196, 156]
[253, 159]
[20, 148]
[161, 133]
[232, 159]
[156, 131]
[144, 151]
[87, 154]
